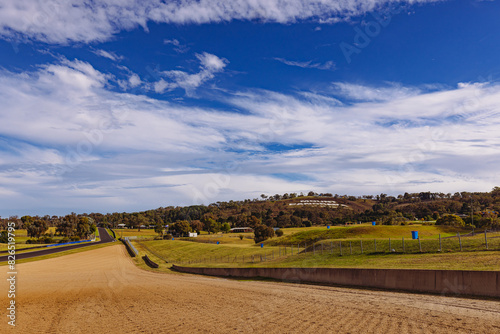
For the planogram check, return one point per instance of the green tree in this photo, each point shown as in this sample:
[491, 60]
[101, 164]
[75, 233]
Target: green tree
[159, 228]
[83, 227]
[182, 227]
[262, 232]
[451, 220]
[226, 227]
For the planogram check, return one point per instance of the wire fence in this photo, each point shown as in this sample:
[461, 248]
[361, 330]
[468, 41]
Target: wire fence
[458, 243]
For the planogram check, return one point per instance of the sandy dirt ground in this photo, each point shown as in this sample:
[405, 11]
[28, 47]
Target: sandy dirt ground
[101, 291]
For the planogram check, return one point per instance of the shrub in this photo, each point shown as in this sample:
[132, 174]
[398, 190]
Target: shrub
[168, 236]
[64, 240]
[44, 240]
[75, 238]
[241, 236]
[279, 233]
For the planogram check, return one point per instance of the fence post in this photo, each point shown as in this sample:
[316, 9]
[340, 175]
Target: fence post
[390, 247]
[375, 243]
[440, 246]
[361, 246]
[331, 247]
[403, 244]
[340, 243]
[486, 239]
[350, 246]
[419, 244]
[459, 241]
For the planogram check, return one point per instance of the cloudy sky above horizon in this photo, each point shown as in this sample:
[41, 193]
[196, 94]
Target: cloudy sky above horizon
[128, 105]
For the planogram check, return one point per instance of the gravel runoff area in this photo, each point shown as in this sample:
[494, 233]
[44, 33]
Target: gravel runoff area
[103, 235]
[102, 291]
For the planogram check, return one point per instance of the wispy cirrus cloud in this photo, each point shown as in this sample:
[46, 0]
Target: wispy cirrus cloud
[88, 148]
[64, 21]
[108, 54]
[178, 47]
[329, 65]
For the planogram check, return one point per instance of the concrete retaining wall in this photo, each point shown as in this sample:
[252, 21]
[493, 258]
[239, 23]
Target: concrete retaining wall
[446, 282]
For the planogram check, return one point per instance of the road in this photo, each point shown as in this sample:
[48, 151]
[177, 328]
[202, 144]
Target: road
[103, 234]
[102, 291]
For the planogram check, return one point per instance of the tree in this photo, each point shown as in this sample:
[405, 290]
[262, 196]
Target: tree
[226, 227]
[159, 228]
[182, 227]
[36, 228]
[83, 227]
[452, 220]
[262, 232]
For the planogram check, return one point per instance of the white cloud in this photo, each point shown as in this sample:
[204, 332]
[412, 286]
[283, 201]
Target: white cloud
[329, 65]
[209, 65]
[108, 54]
[62, 21]
[86, 148]
[366, 93]
[178, 47]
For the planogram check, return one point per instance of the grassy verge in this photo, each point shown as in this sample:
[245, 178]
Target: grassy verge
[472, 257]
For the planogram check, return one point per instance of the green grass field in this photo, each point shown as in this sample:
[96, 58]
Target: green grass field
[312, 234]
[142, 234]
[352, 246]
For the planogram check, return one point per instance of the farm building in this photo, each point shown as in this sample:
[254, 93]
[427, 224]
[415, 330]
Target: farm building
[241, 229]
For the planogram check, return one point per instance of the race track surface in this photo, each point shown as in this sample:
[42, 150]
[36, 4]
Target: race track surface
[102, 291]
[103, 234]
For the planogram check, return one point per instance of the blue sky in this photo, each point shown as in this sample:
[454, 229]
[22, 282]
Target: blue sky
[129, 105]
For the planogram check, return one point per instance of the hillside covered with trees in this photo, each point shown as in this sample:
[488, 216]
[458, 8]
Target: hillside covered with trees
[476, 209]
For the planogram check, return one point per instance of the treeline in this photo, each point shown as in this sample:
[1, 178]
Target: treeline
[474, 208]
[71, 227]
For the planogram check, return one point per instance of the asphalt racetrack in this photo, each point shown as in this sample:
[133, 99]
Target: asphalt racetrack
[103, 234]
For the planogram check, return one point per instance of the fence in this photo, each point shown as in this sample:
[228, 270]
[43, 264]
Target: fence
[458, 243]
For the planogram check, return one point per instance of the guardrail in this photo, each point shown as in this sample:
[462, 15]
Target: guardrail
[69, 243]
[114, 234]
[149, 262]
[130, 248]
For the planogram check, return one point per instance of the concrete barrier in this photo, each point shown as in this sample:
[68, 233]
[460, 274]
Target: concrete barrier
[149, 262]
[445, 282]
[130, 248]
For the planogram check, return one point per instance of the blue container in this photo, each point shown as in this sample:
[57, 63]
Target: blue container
[328, 226]
[173, 239]
[261, 245]
[414, 235]
[218, 242]
[374, 223]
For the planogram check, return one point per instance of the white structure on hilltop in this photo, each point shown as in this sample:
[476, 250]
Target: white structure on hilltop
[315, 202]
